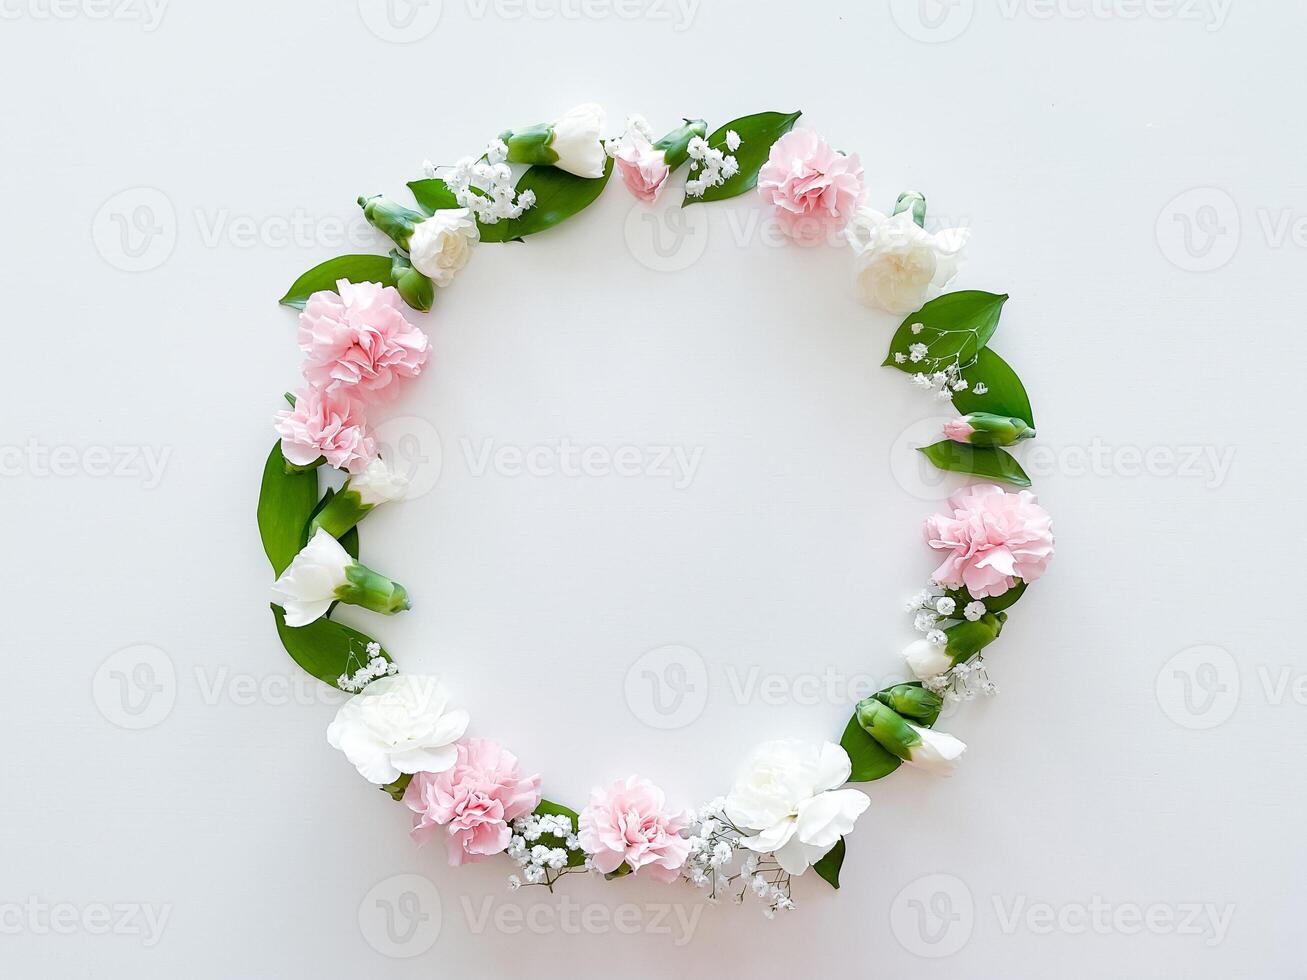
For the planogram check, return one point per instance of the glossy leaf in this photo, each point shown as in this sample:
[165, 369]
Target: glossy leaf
[955, 328]
[355, 268]
[326, 649]
[286, 503]
[989, 462]
[993, 603]
[559, 195]
[1006, 395]
[432, 194]
[349, 540]
[870, 759]
[829, 865]
[757, 134]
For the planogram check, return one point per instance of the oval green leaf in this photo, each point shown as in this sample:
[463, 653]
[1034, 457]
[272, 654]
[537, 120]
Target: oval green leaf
[1006, 395]
[326, 649]
[355, 268]
[286, 503]
[757, 134]
[955, 328]
[988, 461]
[870, 759]
[559, 195]
[829, 866]
[432, 194]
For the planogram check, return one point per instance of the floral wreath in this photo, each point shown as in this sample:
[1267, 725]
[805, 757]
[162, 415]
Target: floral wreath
[790, 807]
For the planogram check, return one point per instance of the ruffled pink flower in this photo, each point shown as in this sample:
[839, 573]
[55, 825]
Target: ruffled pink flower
[993, 538]
[959, 430]
[814, 188]
[629, 821]
[643, 168]
[325, 423]
[474, 801]
[358, 340]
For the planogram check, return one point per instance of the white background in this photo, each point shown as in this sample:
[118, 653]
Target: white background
[1131, 805]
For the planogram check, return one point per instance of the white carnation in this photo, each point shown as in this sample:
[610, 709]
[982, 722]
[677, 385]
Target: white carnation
[442, 244]
[899, 266]
[396, 725]
[307, 588]
[578, 141]
[379, 484]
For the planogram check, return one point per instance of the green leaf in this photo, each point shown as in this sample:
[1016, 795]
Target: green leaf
[1006, 394]
[349, 540]
[574, 858]
[870, 759]
[829, 866]
[432, 194]
[559, 195]
[355, 268]
[757, 134]
[326, 649]
[993, 603]
[955, 328]
[987, 461]
[286, 501]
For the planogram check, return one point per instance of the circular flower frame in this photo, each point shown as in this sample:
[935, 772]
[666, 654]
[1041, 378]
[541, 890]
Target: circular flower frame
[791, 806]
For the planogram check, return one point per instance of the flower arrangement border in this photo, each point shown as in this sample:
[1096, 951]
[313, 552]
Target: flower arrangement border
[791, 807]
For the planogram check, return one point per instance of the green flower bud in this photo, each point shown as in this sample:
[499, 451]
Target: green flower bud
[416, 289]
[984, 429]
[530, 145]
[911, 701]
[676, 144]
[391, 218]
[573, 142]
[914, 201]
[887, 727]
[372, 590]
[967, 639]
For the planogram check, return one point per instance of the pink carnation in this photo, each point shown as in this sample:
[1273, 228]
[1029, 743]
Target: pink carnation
[643, 168]
[325, 424]
[959, 429]
[993, 538]
[358, 340]
[475, 800]
[813, 188]
[629, 821]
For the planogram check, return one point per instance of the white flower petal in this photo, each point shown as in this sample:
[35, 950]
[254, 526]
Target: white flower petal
[826, 818]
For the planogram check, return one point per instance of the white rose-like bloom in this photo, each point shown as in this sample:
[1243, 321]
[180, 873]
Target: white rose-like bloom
[578, 141]
[899, 266]
[441, 245]
[307, 588]
[938, 752]
[398, 724]
[926, 659]
[379, 484]
[789, 796]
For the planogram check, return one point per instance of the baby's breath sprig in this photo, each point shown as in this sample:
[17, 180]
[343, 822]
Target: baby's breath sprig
[545, 847]
[715, 844]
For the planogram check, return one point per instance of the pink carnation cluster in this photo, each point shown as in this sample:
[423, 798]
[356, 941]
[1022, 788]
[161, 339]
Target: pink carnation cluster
[993, 538]
[630, 822]
[475, 800]
[358, 346]
[813, 188]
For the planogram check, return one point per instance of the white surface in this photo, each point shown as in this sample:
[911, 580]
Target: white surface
[1090, 785]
